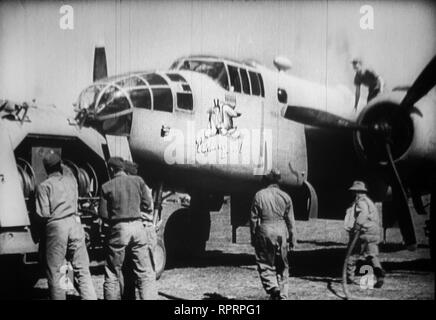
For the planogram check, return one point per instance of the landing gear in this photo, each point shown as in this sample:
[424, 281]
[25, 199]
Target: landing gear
[187, 230]
[431, 227]
[160, 255]
[18, 276]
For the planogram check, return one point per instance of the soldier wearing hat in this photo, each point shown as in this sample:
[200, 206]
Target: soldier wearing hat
[273, 232]
[56, 204]
[131, 168]
[123, 199]
[367, 77]
[363, 217]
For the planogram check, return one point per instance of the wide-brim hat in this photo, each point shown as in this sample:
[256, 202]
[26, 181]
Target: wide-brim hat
[358, 186]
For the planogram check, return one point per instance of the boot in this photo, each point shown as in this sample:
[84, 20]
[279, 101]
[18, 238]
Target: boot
[380, 275]
[275, 294]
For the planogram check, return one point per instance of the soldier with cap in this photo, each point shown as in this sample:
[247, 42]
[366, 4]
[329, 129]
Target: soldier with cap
[131, 169]
[273, 233]
[56, 204]
[368, 78]
[363, 217]
[123, 199]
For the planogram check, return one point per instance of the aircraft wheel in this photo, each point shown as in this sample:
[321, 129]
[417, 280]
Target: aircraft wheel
[184, 237]
[175, 234]
[17, 278]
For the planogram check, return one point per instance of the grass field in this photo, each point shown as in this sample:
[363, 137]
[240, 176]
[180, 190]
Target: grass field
[228, 271]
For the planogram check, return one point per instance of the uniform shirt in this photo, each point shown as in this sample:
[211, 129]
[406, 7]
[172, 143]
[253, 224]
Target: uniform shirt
[272, 206]
[124, 197]
[368, 78]
[57, 196]
[366, 218]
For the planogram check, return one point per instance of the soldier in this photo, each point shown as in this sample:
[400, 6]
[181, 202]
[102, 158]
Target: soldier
[131, 233]
[363, 216]
[368, 78]
[129, 293]
[56, 203]
[272, 234]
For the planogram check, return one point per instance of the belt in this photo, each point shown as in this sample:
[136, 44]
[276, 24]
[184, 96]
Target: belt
[112, 222]
[61, 218]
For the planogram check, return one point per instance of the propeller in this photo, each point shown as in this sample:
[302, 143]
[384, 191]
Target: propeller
[100, 65]
[423, 83]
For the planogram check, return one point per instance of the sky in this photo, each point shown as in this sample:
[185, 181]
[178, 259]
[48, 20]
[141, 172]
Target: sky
[39, 60]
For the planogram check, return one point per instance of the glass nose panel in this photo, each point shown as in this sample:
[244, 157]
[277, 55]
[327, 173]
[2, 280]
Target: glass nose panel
[88, 98]
[113, 101]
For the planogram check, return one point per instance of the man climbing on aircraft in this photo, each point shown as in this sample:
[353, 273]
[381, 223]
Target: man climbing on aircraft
[273, 232]
[363, 217]
[368, 78]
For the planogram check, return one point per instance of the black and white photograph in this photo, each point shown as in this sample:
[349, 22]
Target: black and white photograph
[234, 151]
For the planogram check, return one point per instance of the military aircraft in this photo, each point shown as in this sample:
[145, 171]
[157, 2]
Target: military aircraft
[212, 126]
[209, 126]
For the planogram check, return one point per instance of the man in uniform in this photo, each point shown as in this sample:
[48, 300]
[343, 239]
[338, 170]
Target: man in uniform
[273, 232]
[56, 203]
[123, 199]
[363, 216]
[129, 293]
[368, 78]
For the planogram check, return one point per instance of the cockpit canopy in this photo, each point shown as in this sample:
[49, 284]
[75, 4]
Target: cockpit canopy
[231, 75]
[111, 100]
[117, 96]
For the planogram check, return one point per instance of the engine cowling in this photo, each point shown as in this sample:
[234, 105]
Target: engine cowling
[392, 122]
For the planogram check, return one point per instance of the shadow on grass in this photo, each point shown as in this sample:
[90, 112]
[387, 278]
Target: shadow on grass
[324, 263]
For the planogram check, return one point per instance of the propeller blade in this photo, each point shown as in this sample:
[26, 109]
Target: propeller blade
[319, 118]
[425, 81]
[100, 65]
[402, 204]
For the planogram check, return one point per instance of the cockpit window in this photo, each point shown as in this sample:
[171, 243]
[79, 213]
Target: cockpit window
[113, 101]
[245, 83]
[154, 79]
[255, 87]
[131, 82]
[235, 82]
[162, 99]
[214, 69]
[176, 77]
[140, 98]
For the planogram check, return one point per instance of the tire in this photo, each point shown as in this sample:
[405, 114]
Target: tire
[17, 278]
[180, 240]
[175, 234]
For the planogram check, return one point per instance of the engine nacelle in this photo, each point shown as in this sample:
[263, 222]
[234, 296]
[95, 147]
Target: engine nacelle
[384, 112]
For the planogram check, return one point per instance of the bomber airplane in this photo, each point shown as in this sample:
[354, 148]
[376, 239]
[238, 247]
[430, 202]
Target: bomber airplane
[213, 126]
[209, 126]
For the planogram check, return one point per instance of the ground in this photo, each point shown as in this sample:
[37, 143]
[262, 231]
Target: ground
[228, 270]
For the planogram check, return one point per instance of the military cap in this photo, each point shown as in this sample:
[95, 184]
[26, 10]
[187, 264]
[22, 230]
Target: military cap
[116, 163]
[51, 160]
[130, 167]
[358, 186]
[274, 176]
